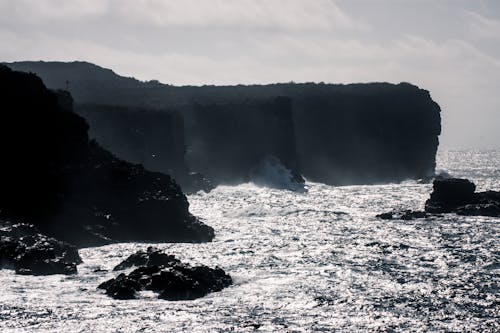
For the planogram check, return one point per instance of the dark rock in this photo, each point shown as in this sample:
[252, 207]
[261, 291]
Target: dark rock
[456, 195]
[167, 276]
[121, 287]
[403, 215]
[73, 189]
[152, 138]
[448, 194]
[152, 257]
[25, 249]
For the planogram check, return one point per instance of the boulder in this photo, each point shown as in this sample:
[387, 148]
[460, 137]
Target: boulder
[455, 195]
[152, 257]
[165, 275]
[27, 251]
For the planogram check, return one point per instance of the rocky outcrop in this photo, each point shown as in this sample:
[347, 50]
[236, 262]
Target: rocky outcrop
[454, 195]
[27, 251]
[72, 189]
[165, 275]
[343, 134]
[150, 257]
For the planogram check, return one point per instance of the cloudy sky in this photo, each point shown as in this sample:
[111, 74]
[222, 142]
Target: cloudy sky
[449, 47]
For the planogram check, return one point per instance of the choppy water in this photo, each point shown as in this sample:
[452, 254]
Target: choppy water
[315, 261]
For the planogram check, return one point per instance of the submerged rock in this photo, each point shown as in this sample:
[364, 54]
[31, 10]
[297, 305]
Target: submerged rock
[165, 275]
[402, 215]
[27, 251]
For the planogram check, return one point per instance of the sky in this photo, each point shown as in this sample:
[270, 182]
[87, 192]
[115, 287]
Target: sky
[449, 47]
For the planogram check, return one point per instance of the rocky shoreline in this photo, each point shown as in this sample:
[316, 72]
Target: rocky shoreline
[452, 195]
[61, 191]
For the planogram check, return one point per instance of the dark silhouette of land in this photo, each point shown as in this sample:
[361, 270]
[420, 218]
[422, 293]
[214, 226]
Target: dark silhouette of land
[335, 134]
[54, 177]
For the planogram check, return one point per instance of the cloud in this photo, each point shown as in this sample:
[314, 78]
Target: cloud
[37, 11]
[264, 14]
[244, 41]
[483, 27]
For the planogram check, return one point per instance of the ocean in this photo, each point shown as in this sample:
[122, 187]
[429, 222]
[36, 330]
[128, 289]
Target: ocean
[304, 261]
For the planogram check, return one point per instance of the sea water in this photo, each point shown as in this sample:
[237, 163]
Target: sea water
[303, 261]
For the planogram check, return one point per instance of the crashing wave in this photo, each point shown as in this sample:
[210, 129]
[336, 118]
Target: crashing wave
[270, 172]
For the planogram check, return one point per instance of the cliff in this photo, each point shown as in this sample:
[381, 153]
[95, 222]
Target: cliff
[71, 188]
[343, 134]
[228, 142]
[152, 138]
[367, 134]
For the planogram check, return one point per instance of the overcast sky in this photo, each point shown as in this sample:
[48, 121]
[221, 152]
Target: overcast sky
[451, 48]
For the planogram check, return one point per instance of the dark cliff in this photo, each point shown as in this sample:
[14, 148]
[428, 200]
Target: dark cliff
[367, 134]
[344, 134]
[152, 138]
[228, 142]
[71, 188]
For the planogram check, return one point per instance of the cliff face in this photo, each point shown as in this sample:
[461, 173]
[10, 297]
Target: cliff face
[228, 141]
[367, 134]
[70, 188]
[343, 134]
[154, 139]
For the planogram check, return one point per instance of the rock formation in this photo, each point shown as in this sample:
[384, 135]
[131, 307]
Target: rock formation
[453, 195]
[72, 189]
[167, 276]
[342, 134]
[27, 251]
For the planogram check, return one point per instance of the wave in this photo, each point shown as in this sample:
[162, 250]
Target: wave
[270, 172]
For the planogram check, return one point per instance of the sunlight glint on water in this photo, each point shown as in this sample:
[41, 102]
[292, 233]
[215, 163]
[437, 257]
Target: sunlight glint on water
[315, 261]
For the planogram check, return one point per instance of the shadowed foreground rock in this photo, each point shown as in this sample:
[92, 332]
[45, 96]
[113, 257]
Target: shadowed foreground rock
[165, 275]
[52, 176]
[25, 249]
[453, 195]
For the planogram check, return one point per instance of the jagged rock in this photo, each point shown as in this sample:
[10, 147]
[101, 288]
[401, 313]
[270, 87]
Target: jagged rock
[25, 249]
[454, 195]
[170, 278]
[448, 194]
[73, 189]
[152, 257]
[121, 287]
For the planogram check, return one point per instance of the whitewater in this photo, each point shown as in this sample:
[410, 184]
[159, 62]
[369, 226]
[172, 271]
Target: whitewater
[302, 261]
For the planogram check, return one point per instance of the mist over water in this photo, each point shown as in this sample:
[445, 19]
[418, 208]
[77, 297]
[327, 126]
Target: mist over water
[301, 261]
